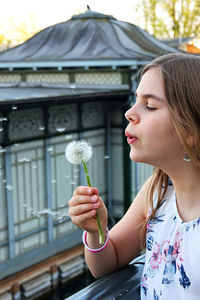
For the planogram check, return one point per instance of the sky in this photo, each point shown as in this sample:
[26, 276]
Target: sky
[48, 12]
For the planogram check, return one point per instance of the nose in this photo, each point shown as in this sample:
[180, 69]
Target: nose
[132, 116]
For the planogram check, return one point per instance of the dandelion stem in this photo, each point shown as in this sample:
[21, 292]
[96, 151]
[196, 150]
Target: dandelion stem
[100, 230]
[86, 173]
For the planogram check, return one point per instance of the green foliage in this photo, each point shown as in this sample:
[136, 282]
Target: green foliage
[171, 18]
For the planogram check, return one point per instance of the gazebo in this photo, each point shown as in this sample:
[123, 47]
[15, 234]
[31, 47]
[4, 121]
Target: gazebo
[87, 40]
[72, 80]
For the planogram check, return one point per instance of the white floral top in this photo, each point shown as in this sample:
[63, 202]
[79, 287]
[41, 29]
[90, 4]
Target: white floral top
[172, 265]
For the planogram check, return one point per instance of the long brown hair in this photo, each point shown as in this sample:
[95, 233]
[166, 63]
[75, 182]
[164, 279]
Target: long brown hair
[181, 83]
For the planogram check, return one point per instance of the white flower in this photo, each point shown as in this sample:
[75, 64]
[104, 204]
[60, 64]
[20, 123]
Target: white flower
[77, 152]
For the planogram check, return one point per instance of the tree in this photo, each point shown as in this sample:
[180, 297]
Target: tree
[171, 18]
[25, 29]
[14, 33]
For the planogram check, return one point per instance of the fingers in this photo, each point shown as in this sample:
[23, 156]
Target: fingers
[86, 221]
[85, 190]
[84, 203]
[82, 208]
[84, 194]
[79, 199]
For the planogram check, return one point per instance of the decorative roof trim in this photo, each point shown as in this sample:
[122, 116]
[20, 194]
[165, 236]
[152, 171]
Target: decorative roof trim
[92, 14]
[71, 64]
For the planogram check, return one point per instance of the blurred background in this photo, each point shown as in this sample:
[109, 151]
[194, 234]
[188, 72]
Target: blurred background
[163, 19]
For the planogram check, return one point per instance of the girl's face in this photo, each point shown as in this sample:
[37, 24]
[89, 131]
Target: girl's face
[150, 132]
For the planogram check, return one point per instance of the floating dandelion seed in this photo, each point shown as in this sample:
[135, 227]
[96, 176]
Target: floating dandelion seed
[2, 150]
[24, 159]
[60, 217]
[49, 149]
[68, 137]
[3, 119]
[79, 152]
[34, 166]
[9, 187]
[60, 130]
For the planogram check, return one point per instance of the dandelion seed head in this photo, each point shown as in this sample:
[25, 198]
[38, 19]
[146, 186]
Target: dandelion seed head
[78, 151]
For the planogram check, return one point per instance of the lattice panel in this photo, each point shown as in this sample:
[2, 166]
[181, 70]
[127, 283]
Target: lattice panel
[92, 114]
[10, 78]
[28, 190]
[31, 242]
[63, 118]
[98, 78]
[25, 124]
[42, 78]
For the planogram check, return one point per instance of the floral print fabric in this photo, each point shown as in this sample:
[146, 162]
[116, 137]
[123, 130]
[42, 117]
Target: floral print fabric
[172, 255]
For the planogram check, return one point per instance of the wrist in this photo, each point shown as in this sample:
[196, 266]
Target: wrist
[95, 248]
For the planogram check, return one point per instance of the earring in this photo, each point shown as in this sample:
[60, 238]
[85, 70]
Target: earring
[186, 157]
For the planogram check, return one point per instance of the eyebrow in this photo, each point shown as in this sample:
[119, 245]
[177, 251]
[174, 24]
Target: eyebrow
[153, 96]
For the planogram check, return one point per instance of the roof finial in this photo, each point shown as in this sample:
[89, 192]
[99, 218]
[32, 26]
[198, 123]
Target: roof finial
[88, 7]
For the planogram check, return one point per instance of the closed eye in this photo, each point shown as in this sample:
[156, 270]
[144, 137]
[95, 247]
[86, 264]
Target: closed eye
[150, 108]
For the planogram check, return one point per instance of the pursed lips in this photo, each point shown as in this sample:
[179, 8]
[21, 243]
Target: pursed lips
[130, 138]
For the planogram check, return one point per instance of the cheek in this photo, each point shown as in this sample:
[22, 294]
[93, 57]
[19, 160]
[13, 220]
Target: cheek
[161, 132]
[168, 140]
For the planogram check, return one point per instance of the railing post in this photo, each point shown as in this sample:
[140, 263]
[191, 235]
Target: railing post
[109, 166]
[9, 202]
[48, 189]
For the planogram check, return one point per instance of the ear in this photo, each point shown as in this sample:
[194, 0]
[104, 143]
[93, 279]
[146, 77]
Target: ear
[190, 140]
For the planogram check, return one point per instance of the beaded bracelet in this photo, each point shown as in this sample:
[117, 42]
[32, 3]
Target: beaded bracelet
[95, 250]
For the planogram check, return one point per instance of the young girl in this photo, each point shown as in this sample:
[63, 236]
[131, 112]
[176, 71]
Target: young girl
[164, 131]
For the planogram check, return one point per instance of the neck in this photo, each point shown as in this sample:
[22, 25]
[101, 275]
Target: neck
[186, 181]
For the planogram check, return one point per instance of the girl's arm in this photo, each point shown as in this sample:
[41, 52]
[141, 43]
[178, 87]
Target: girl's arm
[125, 239]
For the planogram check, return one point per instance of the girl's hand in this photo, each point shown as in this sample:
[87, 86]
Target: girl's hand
[83, 208]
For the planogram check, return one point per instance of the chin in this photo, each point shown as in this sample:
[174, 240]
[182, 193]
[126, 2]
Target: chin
[141, 159]
[136, 158]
